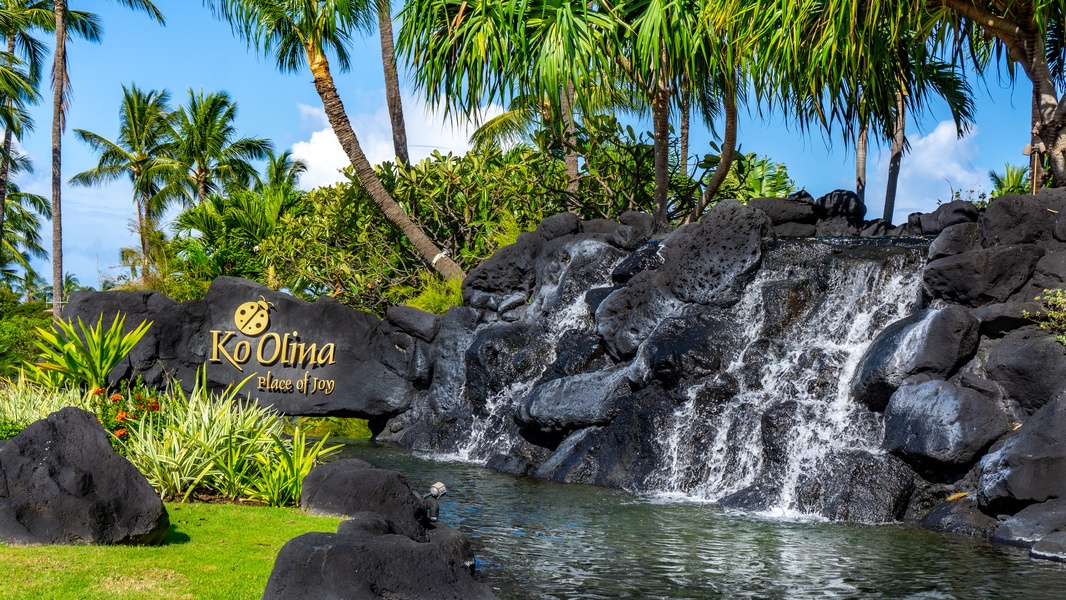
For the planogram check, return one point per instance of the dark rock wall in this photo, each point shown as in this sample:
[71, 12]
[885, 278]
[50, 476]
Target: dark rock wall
[859, 378]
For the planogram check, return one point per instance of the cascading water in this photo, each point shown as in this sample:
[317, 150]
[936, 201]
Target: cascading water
[804, 371]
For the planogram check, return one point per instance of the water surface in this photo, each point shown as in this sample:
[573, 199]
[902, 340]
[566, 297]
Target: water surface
[542, 540]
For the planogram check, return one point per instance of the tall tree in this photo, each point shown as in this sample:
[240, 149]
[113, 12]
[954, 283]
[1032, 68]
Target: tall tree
[143, 153]
[59, 94]
[392, 81]
[208, 145]
[298, 30]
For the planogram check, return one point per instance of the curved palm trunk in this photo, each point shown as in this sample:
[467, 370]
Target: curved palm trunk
[142, 228]
[1036, 160]
[570, 158]
[338, 120]
[896, 158]
[59, 77]
[725, 161]
[861, 148]
[392, 82]
[660, 107]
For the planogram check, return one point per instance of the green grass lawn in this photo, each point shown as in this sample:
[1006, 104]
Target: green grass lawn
[212, 551]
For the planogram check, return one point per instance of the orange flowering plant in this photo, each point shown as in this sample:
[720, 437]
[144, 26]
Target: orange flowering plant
[118, 410]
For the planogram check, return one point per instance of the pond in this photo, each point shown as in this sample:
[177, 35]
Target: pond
[542, 540]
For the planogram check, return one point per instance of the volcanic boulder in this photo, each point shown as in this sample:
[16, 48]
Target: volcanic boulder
[61, 482]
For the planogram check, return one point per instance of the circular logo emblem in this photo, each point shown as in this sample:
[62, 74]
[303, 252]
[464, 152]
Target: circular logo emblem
[253, 318]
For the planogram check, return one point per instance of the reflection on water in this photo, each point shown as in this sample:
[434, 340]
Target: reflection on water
[543, 540]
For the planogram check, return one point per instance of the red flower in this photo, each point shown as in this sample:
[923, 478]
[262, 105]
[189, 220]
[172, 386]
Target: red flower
[138, 396]
[120, 432]
[155, 405]
[98, 391]
[116, 397]
[121, 416]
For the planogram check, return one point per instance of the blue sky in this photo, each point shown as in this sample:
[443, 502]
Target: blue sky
[195, 51]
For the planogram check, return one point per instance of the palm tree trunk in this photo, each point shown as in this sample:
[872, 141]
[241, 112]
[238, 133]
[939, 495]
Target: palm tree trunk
[1036, 159]
[5, 161]
[686, 109]
[570, 158]
[342, 127]
[142, 228]
[725, 161]
[896, 157]
[660, 107]
[861, 148]
[392, 82]
[59, 78]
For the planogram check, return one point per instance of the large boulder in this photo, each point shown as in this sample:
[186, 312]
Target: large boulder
[940, 425]
[982, 276]
[1030, 466]
[622, 454]
[351, 486]
[792, 209]
[562, 405]
[1050, 547]
[1017, 219]
[857, 486]
[1032, 523]
[947, 215]
[962, 516]
[932, 343]
[713, 261]
[1030, 365]
[956, 239]
[61, 482]
[627, 316]
[841, 204]
[359, 565]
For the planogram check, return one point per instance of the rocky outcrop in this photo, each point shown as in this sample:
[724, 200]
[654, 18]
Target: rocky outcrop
[384, 549]
[61, 482]
[868, 374]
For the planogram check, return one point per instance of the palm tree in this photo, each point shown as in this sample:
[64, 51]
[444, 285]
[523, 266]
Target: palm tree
[207, 144]
[298, 30]
[282, 171]
[143, 152]
[1014, 180]
[22, 237]
[59, 94]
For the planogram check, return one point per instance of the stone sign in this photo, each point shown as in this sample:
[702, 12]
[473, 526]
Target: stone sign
[302, 358]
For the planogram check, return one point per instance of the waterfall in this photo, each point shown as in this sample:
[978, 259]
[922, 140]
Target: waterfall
[710, 452]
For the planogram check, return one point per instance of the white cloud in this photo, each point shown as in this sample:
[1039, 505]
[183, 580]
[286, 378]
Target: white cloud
[427, 130]
[937, 164]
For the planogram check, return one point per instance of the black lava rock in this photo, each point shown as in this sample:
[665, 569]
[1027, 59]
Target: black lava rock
[962, 516]
[956, 239]
[1050, 547]
[712, 262]
[1030, 365]
[786, 210]
[357, 566]
[857, 486]
[350, 487]
[1032, 523]
[1030, 466]
[931, 343]
[939, 425]
[1017, 219]
[61, 482]
[982, 276]
[419, 323]
[562, 405]
[840, 203]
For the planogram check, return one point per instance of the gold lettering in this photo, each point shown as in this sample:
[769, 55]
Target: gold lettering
[307, 354]
[242, 352]
[263, 360]
[219, 347]
[326, 356]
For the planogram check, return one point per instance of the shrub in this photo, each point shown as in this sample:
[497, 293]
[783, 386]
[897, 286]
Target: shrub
[83, 356]
[1054, 316]
[437, 295]
[9, 429]
[23, 403]
[219, 444]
